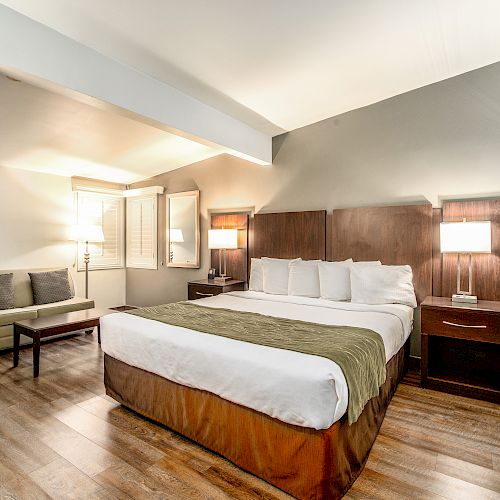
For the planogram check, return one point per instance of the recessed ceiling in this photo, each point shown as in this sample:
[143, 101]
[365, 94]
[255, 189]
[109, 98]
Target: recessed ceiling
[51, 133]
[281, 64]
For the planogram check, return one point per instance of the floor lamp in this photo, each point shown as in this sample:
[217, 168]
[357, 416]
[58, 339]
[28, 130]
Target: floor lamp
[86, 235]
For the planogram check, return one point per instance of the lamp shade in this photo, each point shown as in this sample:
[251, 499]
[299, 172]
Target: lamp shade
[222, 238]
[176, 236]
[465, 237]
[90, 233]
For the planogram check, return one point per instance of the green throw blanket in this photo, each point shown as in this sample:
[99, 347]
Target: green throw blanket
[359, 352]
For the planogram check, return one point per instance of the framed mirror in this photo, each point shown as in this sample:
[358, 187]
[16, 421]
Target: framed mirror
[183, 229]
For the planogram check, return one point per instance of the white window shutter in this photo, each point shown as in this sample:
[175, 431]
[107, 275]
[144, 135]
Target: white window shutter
[106, 211]
[142, 232]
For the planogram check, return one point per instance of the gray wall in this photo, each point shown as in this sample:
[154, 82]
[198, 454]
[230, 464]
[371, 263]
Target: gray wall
[434, 143]
[36, 215]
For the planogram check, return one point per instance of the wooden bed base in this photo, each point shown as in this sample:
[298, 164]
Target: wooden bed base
[306, 463]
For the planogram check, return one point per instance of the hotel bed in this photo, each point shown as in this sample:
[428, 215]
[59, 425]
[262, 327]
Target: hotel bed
[278, 413]
[296, 388]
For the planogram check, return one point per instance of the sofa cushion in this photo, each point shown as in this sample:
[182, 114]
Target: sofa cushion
[50, 286]
[23, 294]
[6, 291]
[64, 306]
[8, 316]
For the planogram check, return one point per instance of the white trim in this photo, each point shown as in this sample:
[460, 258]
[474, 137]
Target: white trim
[145, 191]
[99, 190]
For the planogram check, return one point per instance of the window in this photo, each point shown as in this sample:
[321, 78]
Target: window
[142, 227]
[106, 210]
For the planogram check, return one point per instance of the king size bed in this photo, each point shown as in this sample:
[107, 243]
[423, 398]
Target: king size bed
[282, 407]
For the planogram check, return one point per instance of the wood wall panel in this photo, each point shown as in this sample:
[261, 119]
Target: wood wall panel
[437, 259]
[486, 267]
[393, 235]
[237, 260]
[290, 234]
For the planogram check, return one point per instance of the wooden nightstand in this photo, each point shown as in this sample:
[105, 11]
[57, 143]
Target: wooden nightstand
[461, 347]
[208, 288]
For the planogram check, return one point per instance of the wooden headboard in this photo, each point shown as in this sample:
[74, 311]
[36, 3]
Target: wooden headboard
[289, 235]
[393, 235]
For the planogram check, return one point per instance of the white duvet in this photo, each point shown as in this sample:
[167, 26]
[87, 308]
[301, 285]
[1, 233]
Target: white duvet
[300, 389]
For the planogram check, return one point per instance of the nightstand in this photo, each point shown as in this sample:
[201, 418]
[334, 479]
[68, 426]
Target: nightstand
[461, 347]
[209, 288]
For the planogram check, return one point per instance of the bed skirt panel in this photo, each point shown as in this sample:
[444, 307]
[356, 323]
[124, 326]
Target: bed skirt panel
[307, 463]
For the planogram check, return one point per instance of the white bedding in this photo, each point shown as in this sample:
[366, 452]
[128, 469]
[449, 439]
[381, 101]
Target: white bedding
[300, 389]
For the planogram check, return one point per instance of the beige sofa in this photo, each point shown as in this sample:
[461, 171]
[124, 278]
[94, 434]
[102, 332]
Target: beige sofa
[25, 309]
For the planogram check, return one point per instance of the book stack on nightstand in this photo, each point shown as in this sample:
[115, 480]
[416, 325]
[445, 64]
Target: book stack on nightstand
[461, 347]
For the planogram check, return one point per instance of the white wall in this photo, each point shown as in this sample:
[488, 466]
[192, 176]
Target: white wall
[36, 213]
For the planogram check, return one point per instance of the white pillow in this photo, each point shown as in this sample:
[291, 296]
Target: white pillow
[383, 285]
[303, 278]
[275, 279]
[256, 277]
[335, 280]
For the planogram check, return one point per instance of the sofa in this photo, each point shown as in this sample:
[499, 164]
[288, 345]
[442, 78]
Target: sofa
[25, 309]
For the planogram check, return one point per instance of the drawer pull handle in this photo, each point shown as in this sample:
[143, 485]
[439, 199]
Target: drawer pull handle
[464, 326]
[205, 294]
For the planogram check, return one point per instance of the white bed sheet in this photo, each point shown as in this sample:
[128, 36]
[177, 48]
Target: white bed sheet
[300, 389]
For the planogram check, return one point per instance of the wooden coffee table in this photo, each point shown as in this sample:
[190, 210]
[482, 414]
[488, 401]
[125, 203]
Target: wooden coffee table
[48, 326]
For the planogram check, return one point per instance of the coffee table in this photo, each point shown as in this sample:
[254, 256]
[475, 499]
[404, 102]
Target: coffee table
[48, 326]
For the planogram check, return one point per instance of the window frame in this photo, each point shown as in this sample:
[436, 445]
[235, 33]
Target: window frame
[95, 264]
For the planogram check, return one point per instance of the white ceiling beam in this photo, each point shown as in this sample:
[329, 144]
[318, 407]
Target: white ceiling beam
[33, 50]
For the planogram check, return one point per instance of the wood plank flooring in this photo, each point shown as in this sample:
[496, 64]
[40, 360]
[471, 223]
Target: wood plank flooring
[61, 437]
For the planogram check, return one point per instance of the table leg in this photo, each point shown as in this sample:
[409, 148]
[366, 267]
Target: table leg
[98, 334]
[36, 354]
[17, 340]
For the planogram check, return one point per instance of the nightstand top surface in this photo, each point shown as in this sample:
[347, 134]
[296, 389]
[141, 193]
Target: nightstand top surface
[215, 283]
[482, 305]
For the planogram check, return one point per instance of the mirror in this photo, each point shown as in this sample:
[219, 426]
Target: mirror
[183, 229]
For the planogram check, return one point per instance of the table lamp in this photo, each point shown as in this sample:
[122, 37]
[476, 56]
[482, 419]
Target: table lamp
[88, 234]
[175, 236]
[222, 240]
[465, 238]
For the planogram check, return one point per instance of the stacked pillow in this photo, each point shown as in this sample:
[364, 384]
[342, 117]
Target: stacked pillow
[47, 287]
[6, 291]
[359, 282]
[50, 286]
[383, 285]
[335, 278]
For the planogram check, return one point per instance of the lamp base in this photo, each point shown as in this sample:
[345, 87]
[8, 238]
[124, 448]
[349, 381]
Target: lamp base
[468, 299]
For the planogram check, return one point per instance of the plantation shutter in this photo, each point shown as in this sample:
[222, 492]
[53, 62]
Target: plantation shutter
[142, 228]
[106, 211]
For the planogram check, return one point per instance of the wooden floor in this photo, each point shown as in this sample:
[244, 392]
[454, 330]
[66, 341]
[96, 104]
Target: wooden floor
[61, 437]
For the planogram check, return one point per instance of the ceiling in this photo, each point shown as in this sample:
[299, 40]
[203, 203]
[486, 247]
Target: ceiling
[279, 65]
[51, 133]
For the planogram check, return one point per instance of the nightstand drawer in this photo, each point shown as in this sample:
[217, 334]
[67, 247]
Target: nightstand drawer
[203, 291]
[461, 324]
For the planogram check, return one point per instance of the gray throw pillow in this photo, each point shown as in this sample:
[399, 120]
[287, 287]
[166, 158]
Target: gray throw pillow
[6, 291]
[50, 286]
